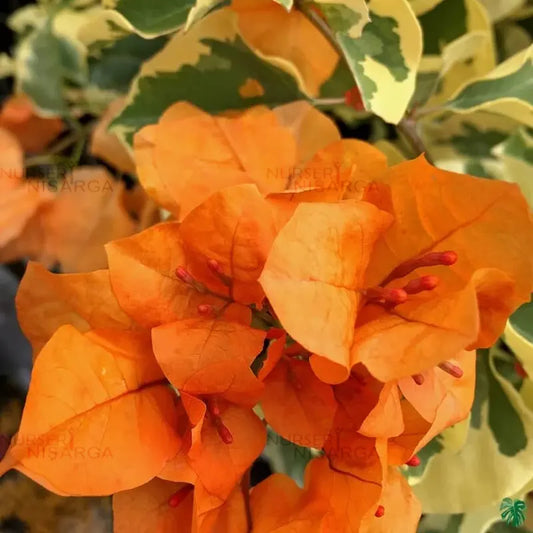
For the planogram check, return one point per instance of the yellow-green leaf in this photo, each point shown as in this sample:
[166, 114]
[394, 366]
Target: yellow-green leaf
[507, 90]
[211, 54]
[385, 58]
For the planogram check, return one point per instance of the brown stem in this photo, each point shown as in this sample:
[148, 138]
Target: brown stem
[245, 488]
[407, 127]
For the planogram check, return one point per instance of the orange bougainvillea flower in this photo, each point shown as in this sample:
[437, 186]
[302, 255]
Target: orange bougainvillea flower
[66, 222]
[34, 132]
[335, 501]
[404, 295]
[203, 345]
[342, 307]
[190, 154]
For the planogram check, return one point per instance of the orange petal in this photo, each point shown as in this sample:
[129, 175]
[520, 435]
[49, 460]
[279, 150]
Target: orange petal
[400, 505]
[297, 405]
[47, 301]
[148, 508]
[314, 270]
[486, 222]
[385, 420]
[348, 497]
[210, 357]
[274, 352]
[458, 400]
[86, 214]
[17, 207]
[106, 145]
[220, 466]
[311, 129]
[213, 514]
[11, 161]
[142, 272]
[272, 31]
[234, 227]
[34, 132]
[190, 154]
[278, 504]
[417, 335]
[346, 165]
[89, 421]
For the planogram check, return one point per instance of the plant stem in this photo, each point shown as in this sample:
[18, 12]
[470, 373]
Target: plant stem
[407, 127]
[245, 488]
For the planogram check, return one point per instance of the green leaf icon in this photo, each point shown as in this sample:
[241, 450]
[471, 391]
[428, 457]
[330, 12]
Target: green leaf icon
[513, 511]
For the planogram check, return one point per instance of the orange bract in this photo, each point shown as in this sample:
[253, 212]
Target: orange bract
[66, 223]
[89, 420]
[107, 146]
[340, 274]
[267, 27]
[190, 154]
[33, 131]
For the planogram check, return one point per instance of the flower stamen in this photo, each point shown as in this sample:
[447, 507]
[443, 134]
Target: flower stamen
[418, 379]
[386, 296]
[423, 283]
[380, 511]
[430, 259]
[414, 461]
[454, 370]
[214, 410]
[179, 496]
[216, 268]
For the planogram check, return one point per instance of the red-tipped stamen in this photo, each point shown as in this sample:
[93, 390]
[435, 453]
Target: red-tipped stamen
[274, 333]
[520, 370]
[224, 433]
[216, 269]
[213, 407]
[414, 461]
[424, 283]
[183, 274]
[352, 98]
[418, 379]
[454, 370]
[206, 310]
[428, 260]
[380, 511]
[389, 296]
[179, 496]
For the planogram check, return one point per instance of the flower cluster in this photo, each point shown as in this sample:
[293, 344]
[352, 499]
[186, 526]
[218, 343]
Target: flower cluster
[345, 318]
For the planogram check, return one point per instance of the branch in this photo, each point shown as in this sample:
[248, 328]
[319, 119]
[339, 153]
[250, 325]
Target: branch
[245, 488]
[407, 127]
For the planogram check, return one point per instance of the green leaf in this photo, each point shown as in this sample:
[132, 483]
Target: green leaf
[385, 58]
[119, 62]
[443, 24]
[45, 63]
[519, 335]
[155, 17]
[226, 66]
[507, 90]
